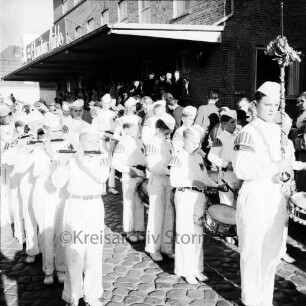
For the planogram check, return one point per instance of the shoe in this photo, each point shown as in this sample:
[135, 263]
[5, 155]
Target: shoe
[30, 259]
[201, 277]
[288, 259]
[191, 280]
[113, 191]
[48, 280]
[60, 277]
[156, 256]
[140, 236]
[230, 240]
[132, 238]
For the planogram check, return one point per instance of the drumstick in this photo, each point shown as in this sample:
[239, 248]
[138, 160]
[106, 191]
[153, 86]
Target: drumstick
[230, 188]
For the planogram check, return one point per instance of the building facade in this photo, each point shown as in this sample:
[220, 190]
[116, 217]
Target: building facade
[236, 66]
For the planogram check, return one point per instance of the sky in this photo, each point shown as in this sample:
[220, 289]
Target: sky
[23, 16]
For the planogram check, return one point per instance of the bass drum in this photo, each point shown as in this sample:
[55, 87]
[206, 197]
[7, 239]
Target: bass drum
[297, 207]
[220, 220]
[142, 190]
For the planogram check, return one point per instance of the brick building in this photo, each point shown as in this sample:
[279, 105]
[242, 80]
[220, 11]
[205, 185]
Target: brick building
[220, 44]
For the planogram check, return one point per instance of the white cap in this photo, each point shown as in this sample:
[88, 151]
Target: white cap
[159, 102]
[35, 115]
[8, 102]
[231, 113]
[168, 120]
[22, 116]
[106, 98]
[66, 106]
[77, 103]
[4, 109]
[51, 120]
[271, 89]
[189, 111]
[198, 129]
[130, 102]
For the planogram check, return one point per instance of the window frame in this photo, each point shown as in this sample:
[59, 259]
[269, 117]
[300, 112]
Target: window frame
[102, 18]
[120, 19]
[142, 10]
[185, 11]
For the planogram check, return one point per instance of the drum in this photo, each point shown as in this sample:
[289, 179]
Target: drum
[297, 207]
[220, 220]
[142, 190]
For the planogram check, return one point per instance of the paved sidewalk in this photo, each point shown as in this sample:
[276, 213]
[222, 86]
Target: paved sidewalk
[130, 277]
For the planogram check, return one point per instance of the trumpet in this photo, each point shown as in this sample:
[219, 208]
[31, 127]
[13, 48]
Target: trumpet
[74, 151]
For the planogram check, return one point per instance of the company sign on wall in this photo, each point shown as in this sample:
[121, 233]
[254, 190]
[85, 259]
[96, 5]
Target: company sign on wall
[47, 42]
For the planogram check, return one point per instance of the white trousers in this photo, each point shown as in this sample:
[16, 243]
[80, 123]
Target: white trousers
[189, 208]
[48, 213]
[30, 224]
[83, 218]
[133, 210]
[5, 193]
[261, 217]
[159, 236]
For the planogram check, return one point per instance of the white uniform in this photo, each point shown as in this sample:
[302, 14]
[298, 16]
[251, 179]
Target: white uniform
[161, 213]
[48, 209]
[220, 154]
[130, 152]
[24, 165]
[105, 121]
[189, 208]
[84, 216]
[75, 127]
[261, 209]
[177, 139]
[122, 120]
[148, 129]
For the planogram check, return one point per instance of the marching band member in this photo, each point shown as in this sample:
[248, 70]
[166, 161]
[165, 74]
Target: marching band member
[46, 199]
[189, 176]
[104, 122]
[66, 117]
[188, 115]
[261, 206]
[148, 129]
[77, 124]
[129, 116]
[7, 139]
[161, 214]
[221, 155]
[84, 213]
[129, 159]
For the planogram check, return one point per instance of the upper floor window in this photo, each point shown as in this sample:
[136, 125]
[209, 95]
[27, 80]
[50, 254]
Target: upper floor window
[78, 31]
[65, 6]
[122, 11]
[145, 11]
[90, 24]
[76, 2]
[180, 7]
[105, 17]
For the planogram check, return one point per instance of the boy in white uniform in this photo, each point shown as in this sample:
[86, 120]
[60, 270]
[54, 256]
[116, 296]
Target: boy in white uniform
[84, 214]
[129, 154]
[189, 176]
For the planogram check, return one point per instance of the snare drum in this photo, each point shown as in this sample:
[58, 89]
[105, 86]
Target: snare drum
[297, 207]
[142, 190]
[220, 220]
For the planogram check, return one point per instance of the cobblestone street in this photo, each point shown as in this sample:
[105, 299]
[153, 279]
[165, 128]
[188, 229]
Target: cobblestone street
[130, 276]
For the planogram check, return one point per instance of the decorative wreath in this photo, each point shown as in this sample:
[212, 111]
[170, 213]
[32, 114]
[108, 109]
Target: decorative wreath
[282, 52]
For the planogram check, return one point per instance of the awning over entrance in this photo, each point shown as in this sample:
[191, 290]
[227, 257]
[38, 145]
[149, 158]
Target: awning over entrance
[110, 44]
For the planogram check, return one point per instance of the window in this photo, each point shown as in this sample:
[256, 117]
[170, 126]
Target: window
[145, 11]
[90, 24]
[64, 6]
[105, 17]
[78, 32]
[122, 11]
[180, 7]
[268, 70]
